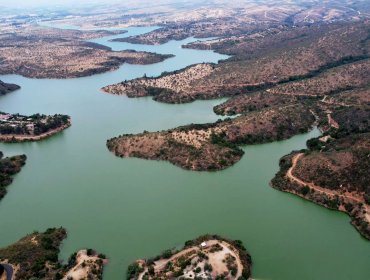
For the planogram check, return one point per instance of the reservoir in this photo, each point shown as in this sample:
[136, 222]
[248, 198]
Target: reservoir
[133, 208]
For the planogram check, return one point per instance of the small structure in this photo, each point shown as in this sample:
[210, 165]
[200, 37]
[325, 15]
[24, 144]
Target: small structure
[203, 244]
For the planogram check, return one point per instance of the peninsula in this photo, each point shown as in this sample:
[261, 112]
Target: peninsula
[281, 82]
[273, 60]
[27, 51]
[334, 170]
[207, 257]
[215, 146]
[36, 257]
[9, 166]
[6, 88]
[19, 128]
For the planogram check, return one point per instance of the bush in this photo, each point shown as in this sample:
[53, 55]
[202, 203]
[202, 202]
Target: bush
[133, 270]
[305, 190]
[197, 270]
[151, 270]
[167, 254]
[90, 252]
[208, 267]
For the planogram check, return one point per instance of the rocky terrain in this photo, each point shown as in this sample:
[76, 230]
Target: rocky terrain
[333, 171]
[215, 146]
[37, 52]
[281, 81]
[6, 88]
[207, 257]
[36, 257]
[262, 62]
[19, 128]
[225, 19]
[168, 87]
[210, 18]
[9, 166]
[310, 72]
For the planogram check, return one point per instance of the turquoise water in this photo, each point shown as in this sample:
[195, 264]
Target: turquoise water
[132, 208]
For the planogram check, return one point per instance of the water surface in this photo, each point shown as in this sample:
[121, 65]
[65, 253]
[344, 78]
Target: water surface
[132, 208]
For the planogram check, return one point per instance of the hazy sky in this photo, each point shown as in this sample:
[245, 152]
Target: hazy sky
[33, 3]
[78, 3]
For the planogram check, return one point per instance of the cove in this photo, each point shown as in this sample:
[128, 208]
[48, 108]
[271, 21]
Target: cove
[131, 208]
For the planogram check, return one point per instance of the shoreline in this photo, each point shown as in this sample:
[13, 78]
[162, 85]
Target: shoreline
[13, 138]
[287, 182]
[157, 58]
[208, 256]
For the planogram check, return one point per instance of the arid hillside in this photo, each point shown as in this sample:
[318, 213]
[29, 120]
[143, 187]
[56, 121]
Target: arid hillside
[291, 54]
[225, 19]
[212, 17]
[36, 257]
[281, 82]
[334, 170]
[52, 53]
[214, 146]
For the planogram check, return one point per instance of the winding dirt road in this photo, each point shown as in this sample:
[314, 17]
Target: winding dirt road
[347, 196]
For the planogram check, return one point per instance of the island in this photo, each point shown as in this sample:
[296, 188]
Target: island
[206, 257]
[26, 51]
[6, 88]
[19, 128]
[9, 166]
[36, 257]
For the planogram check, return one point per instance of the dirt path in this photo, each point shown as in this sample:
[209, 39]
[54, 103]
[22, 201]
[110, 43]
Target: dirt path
[332, 122]
[84, 267]
[215, 261]
[331, 193]
[331, 102]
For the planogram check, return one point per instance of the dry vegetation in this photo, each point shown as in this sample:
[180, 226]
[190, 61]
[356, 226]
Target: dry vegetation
[334, 171]
[347, 98]
[281, 81]
[179, 83]
[52, 53]
[255, 101]
[214, 146]
[199, 18]
[36, 257]
[279, 94]
[292, 54]
[9, 166]
[207, 257]
[225, 19]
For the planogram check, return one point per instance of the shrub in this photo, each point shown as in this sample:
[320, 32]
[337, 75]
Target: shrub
[208, 267]
[151, 270]
[305, 190]
[167, 254]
